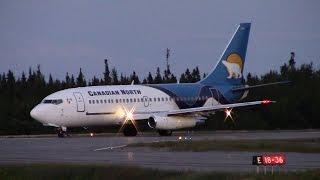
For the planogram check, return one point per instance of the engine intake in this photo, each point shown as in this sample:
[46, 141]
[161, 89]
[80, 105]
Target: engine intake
[152, 123]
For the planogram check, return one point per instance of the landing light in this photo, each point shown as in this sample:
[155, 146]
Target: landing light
[228, 114]
[128, 116]
[120, 113]
[91, 134]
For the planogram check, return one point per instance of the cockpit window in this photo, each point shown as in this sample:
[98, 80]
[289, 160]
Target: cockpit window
[52, 101]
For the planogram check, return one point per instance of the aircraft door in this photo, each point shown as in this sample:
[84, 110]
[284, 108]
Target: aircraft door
[146, 101]
[80, 101]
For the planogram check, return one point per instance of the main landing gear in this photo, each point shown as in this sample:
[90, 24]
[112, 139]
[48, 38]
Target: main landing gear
[165, 132]
[62, 132]
[129, 130]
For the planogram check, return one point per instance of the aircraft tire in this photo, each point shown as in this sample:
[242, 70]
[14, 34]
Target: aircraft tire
[165, 132]
[61, 134]
[129, 130]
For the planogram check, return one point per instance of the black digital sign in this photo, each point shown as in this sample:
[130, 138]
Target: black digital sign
[269, 160]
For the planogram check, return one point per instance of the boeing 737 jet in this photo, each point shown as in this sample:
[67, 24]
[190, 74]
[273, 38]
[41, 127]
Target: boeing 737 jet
[166, 107]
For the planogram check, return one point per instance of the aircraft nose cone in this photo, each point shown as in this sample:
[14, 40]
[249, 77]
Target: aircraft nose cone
[45, 114]
[34, 113]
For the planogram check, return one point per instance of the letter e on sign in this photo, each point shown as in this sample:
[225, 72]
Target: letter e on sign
[257, 160]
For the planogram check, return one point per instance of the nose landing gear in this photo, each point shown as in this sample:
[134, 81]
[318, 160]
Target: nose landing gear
[62, 132]
[129, 130]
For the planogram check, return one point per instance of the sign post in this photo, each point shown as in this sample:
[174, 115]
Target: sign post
[269, 160]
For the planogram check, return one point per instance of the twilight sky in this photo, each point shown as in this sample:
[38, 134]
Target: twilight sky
[63, 36]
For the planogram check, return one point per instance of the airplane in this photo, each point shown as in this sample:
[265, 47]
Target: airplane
[165, 107]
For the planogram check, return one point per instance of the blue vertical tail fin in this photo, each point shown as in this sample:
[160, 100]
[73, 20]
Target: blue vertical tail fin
[229, 68]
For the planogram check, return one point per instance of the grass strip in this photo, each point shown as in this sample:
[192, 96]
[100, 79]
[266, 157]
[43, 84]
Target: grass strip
[79, 172]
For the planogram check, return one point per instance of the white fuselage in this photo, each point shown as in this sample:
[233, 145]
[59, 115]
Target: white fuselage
[102, 105]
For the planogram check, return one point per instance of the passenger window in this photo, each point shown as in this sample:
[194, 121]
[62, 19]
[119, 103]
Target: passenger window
[111, 100]
[97, 101]
[154, 99]
[158, 99]
[150, 99]
[105, 101]
[92, 101]
[166, 99]
[108, 100]
[120, 100]
[134, 99]
[124, 100]
[89, 101]
[117, 100]
[162, 99]
[138, 100]
[101, 101]
[141, 99]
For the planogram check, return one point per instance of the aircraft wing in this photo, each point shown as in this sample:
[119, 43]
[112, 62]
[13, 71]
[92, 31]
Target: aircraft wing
[244, 88]
[217, 107]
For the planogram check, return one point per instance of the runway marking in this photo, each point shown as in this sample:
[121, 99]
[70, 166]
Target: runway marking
[110, 148]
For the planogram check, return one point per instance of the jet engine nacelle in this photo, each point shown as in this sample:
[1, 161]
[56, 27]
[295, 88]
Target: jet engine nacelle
[172, 122]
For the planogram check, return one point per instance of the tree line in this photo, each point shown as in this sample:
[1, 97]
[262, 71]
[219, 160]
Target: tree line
[296, 106]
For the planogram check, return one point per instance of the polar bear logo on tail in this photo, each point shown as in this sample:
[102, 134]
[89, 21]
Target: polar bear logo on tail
[233, 70]
[234, 66]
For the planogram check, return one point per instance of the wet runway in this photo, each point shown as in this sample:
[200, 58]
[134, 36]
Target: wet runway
[112, 150]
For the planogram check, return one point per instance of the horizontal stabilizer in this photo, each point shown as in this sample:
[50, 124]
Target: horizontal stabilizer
[244, 88]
